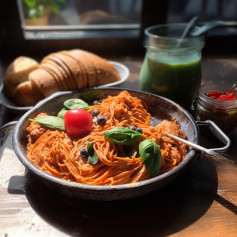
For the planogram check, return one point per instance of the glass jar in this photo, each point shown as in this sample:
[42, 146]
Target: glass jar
[222, 112]
[172, 66]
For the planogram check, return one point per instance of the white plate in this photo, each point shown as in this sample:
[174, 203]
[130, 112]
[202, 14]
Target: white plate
[11, 104]
[13, 107]
[123, 72]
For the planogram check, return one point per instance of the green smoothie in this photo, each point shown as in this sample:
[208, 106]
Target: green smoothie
[175, 78]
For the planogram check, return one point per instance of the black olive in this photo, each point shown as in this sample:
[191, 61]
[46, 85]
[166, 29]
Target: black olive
[132, 127]
[84, 153]
[95, 112]
[101, 120]
[96, 102]
[139, 130]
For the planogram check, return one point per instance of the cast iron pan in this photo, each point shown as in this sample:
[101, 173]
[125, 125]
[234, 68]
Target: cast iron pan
[159, 107]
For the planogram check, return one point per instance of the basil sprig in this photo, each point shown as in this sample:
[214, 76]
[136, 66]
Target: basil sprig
[151, 156]
[50, 121]
[58, 122]
[122, 135]
[74, 103]
[93, 158]
[62, 112]
[149, 151]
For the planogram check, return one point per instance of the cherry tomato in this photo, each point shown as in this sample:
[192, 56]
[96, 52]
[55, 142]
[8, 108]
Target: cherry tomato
[78, 122]
[214, 93]
[222, 97]
[228, 95]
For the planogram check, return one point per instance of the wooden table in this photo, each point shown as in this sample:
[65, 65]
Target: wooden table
[202, 201]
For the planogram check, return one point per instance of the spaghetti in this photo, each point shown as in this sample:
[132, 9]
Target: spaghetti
[58, 154]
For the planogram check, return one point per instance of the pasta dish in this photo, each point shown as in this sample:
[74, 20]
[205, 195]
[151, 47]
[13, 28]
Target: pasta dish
[121, 149]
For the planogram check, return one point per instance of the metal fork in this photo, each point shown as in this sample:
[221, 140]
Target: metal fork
[211, 152]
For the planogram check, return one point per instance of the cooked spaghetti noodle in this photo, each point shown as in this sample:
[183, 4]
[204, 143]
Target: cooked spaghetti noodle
[58, 154]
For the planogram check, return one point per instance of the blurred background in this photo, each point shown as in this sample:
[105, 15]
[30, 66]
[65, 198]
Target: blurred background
[42, 26]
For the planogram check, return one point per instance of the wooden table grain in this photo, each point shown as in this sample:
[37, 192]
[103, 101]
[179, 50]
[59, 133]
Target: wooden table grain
[202, 201]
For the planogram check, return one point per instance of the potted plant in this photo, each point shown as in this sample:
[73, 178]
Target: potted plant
[37, 12]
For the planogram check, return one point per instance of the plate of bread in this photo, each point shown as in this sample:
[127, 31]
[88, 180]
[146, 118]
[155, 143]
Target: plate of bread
[27, 81]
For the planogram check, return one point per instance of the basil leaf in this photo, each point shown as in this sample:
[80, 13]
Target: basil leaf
[62, 112]
[76, 104]
[90, 95]
[90, 148]
[50, 121]
[93, 158]
[151, 156]
[122, 135]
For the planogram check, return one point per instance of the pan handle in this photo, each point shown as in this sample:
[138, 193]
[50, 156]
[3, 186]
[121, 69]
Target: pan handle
[219, 135]
[4, 131]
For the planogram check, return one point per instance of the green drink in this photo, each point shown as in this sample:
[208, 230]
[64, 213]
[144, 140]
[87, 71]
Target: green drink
[172, 65]
[178, 81]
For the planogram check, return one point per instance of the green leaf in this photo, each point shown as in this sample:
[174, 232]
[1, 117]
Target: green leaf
[32, 13]
[76, 104]
[90, 148]
[93, 158]
[62, 112]
[122, 135]
[40, 10]
[151, 156]
[30, 3]
[90, 95]
[50, 121]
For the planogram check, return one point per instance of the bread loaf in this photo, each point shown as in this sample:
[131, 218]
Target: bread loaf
[28, 82]
[27, 94]
[18, 72]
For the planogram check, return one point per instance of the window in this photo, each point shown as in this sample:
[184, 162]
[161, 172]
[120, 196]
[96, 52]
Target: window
[110, 26]
[78, 19]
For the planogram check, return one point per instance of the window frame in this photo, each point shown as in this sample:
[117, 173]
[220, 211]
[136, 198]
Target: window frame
[13, 41]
